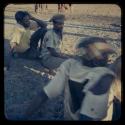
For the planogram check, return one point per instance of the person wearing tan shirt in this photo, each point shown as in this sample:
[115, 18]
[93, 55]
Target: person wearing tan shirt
[51, 56]
[23, 44]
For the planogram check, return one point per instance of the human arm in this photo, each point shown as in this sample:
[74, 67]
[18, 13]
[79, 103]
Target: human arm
[16, 37]
[57, 84]
[51, 90]
[54, 53]
[13, 45]
[40, 23]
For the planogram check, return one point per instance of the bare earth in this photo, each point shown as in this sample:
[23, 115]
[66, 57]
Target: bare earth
[26, 78]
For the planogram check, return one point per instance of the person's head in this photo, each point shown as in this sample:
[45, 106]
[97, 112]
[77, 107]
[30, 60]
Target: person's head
[94, 51]
[58, 21]
[22, 17]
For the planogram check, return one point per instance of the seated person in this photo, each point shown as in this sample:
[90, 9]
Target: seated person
[23, 44]
[51, 57]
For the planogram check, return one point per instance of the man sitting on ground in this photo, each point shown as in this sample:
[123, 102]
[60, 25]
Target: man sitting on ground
[23, 44]
[51, 56]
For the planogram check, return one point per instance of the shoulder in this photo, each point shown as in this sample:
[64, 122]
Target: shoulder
[19, 28]
[68, 63]
[103, 71]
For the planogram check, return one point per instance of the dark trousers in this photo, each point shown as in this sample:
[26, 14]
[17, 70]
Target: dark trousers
[36, 36]
[33, 52]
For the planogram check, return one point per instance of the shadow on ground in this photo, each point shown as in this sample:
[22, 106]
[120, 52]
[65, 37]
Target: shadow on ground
[21, 85]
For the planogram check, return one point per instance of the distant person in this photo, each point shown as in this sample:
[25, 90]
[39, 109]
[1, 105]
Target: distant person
[86, 83]
[51, 56]
[23, 44]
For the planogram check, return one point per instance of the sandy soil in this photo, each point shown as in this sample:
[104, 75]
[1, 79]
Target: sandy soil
[23, 80]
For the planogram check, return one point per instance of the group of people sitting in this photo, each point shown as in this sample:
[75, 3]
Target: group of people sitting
[87, 78]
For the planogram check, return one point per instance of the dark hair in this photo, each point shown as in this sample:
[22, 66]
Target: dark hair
[20, 15]
[86, 41]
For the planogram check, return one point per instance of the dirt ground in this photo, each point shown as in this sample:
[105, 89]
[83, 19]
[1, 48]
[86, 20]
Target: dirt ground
[26, 78]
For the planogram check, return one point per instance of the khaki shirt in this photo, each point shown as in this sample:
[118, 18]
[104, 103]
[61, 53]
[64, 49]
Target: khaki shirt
[21, 36]
[75, 71]
[51, 39]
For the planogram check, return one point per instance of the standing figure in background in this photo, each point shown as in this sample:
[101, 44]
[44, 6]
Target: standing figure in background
[64, 7]
[39, 8]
